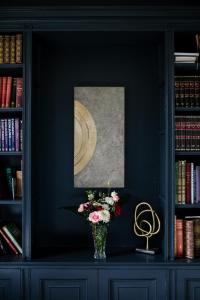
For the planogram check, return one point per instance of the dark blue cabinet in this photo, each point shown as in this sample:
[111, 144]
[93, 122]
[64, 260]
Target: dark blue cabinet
[133, 284]
[10, 284]
[188, 284]
[63, 284]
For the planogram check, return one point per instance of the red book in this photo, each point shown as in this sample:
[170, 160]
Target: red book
[19, 92]
[1, 82]
[179, 238]
[9, 242]
[4, 87]
[8, 91]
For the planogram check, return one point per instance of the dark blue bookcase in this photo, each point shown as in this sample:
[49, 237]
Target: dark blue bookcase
[63, 47]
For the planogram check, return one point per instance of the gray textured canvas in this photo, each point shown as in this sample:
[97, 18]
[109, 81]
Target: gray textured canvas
[106, 105]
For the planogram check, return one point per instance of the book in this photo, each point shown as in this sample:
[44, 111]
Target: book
[6, 49]
[19, 184]
[8, 91]
[186, 57]
[14, 234]
[12, 49]
[8, 241]
[18, 48]
[1, 49]
[19, 92]
[179, 237]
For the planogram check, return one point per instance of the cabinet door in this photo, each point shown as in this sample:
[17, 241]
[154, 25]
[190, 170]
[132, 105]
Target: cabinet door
[188, 284]
[10, 284]
[63, 284]
[133, 284]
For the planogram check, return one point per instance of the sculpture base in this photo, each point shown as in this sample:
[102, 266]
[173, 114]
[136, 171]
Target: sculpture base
[149, 251]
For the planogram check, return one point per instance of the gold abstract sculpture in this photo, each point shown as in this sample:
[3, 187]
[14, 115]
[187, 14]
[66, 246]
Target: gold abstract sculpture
[85, 137]
[146, 228]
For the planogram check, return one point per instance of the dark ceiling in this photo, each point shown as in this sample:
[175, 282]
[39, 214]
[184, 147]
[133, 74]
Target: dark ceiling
[99, 2]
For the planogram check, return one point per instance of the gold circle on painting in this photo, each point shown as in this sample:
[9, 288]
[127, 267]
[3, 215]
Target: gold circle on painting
[85, 137]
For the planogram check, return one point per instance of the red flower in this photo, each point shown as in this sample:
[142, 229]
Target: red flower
[118, 210]
[98, 208]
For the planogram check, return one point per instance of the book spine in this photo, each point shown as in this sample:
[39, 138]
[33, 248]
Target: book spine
[13, 96]
[17, 141]
[13, 133]
[20, 135]
[16, 244]
[1, 84]
[9, 135]
[18, 48]
[4, 88]
[192, 183]
[179, 238]
[8, 91]
[6, 49]
[188, 183]
[189, 239]
[19, 92]
[182, 93]
[192, 91]
[1, 49]
[197, 92]
[187, 94]
[9, 242]
[6, 134]
[197, 238]
[179, 182]
[183, 180]
[12, 49]
[2, 135]
[177, 93]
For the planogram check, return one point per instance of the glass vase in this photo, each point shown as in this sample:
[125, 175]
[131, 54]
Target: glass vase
[99, 232]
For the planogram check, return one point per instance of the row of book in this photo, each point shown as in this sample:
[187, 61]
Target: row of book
[10, 183]
[187, 182]
[11, 49]
[11, 135]
[11, 91]
[187, 91]
[187, 133]
[187, 237]
[10, 239]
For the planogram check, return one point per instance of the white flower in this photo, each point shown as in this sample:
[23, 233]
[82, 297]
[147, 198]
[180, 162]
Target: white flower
[115, 196]
[105, 215]
[109, 200]
[105, 206]
[90, 197]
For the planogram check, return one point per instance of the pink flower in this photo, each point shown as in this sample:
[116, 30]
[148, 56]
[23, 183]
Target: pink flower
[95, 217]
[81, 208]
[115, 196]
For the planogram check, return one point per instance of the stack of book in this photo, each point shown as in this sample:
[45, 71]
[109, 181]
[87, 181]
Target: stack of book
[186, 57]
[187, 237]
[10, 239]
[187, 133]
[187, 91]
[11, 91]
[11, 136]
[11, 49]
[187, 182]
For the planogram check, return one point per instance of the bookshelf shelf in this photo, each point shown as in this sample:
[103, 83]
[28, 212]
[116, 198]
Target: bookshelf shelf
[186, 206]
[11, 110]
[187, 153]
[11, 66]
[187, 109]
[11, 153]
[11, 202]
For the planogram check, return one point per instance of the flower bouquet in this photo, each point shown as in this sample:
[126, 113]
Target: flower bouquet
[99, 210]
